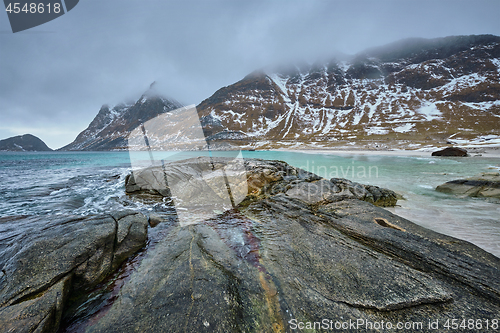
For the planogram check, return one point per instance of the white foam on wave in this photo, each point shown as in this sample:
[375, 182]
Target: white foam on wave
[59, 191]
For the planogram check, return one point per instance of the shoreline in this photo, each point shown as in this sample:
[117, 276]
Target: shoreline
[483, 153]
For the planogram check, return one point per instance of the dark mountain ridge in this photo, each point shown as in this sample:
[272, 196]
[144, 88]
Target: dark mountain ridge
[422, 49]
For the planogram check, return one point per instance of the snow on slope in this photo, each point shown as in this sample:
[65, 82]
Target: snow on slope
[430, 111]
[419, 94]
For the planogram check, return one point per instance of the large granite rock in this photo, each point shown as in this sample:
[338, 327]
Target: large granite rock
[486, 185]
[296, 249]
[46, 259]
[301, 249]
[195, 175]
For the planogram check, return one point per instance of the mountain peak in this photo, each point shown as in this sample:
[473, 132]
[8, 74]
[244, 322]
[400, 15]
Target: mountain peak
[111, 126]
[152, 92]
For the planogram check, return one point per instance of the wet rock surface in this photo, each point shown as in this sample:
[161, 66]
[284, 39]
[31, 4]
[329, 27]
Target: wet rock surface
[486, 185]
[262, 178]
[296, 248]
[305, 248]
[53, 257]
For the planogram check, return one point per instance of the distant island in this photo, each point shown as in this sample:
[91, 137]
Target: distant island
[26, 142]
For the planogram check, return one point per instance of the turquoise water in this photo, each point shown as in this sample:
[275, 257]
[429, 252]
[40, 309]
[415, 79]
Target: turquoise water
[93, 182]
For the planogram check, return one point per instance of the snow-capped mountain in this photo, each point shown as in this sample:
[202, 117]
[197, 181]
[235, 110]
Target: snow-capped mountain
[409, 94]
[413, 91]
[111, 127]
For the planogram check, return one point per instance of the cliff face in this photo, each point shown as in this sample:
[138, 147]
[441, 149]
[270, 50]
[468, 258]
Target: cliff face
[26, 142]
[411, 89]
[110, 128]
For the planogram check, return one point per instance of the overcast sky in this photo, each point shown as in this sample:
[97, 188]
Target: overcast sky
[55, 77]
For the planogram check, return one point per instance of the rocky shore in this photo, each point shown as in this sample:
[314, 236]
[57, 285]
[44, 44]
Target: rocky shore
[296, 248]
[55, 257]
[484, 185]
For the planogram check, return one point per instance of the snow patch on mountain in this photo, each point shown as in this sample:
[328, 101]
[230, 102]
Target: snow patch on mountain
[281, 83]
[430, 111]
[404, 128]
[376, 130]
[496, 62]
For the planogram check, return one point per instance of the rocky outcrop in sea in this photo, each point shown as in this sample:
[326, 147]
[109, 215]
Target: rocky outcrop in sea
[484, 185]
[111, 126]
[451, 151]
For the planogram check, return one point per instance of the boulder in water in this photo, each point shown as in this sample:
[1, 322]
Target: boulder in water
[450, 151]
[486, 185]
